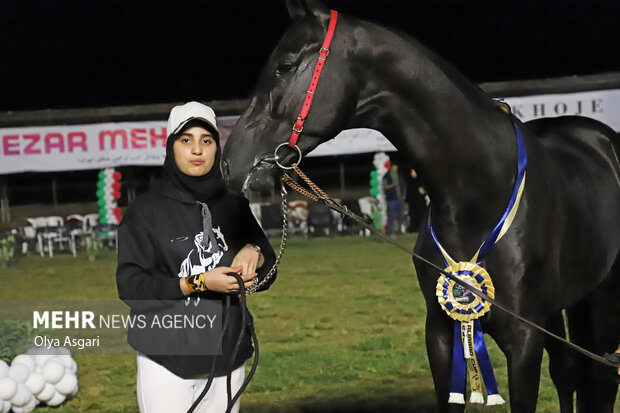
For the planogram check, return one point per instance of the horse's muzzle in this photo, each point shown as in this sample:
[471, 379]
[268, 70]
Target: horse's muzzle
[261, 176]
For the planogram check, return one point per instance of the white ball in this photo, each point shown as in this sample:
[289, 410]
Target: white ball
[74, 392]
[57, 399]
[74, 366]
[35, 383]
[26, 408]
[5, 406]
[40, 359]
[32, 403]
[8, 388]
[47, 393]
[4, 369]
[66, 360]
[53, 370]
[19, 372]
[26, 360]
[22, 396]
[67, 384]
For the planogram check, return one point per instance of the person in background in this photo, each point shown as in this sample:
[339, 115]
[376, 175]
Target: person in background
[395, 191]
[179, 242]
[415, 201]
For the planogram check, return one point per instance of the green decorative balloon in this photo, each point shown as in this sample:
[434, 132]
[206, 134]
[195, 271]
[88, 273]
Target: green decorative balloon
[374, 174]
[101, 202]
[100, 184]
[103, 212]
[374, 191]
[100, 193]
[378, 221]
[101, 175]
[374, 183]
[103, 220]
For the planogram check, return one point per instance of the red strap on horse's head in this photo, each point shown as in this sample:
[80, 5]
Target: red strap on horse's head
[305, 107]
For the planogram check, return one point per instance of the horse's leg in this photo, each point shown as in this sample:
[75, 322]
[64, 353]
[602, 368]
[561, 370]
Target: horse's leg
[561, 362]
[594, 323]
[439, 337]
[523, 347]
[439, 328]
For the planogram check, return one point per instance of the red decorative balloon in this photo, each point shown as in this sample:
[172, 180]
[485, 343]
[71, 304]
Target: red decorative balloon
[116, 186]
[117, 176]
[116, 194]
[387, 164]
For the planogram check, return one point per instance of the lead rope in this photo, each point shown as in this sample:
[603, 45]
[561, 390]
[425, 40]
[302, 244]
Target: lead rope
[317, 194]
[284, 207]
[212, 372]
[246, 322]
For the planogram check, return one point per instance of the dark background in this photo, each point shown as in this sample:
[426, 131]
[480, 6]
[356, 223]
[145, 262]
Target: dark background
[96, 53]
[93, 53]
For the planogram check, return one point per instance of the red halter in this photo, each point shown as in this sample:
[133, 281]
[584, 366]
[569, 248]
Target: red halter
[305, 107]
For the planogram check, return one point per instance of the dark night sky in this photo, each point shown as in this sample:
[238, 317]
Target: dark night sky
[92, 53]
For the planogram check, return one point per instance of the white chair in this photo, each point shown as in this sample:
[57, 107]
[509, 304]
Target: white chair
[298, 217]
[40, 226]
[30, 238]
[38, 222]
[55, 233]
[55, 221]
[369, 206]
[74, 217]
[74, 224]
[90, 222]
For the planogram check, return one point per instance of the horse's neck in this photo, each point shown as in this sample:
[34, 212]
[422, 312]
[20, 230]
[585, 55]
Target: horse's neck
[462, 145]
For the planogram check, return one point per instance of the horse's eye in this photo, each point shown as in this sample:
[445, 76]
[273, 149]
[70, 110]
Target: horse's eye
[285, 68]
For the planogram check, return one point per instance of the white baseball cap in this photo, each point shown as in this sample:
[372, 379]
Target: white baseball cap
[180, 115]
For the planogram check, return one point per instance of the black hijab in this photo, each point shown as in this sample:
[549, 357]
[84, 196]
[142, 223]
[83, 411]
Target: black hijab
[204, 187]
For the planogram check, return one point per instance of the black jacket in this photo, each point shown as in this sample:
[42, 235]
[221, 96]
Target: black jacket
[159, 242]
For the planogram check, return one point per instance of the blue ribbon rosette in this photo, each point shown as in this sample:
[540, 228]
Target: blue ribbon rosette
[469, 352]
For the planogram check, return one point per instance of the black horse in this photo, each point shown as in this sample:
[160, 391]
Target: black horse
[562, 249]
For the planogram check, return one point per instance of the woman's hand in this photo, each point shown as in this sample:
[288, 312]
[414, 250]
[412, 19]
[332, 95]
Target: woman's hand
[249, 259]
[219, 281]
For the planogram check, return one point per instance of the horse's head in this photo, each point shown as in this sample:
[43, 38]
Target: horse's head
[267, 123]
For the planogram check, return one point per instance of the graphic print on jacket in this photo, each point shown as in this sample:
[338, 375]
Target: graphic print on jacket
[201, 259]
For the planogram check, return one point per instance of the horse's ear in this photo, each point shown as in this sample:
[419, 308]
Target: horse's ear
[301, 8]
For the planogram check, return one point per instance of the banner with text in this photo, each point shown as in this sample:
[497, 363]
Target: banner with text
[102, 145]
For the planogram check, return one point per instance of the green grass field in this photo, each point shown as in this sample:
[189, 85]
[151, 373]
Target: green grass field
[341, 330]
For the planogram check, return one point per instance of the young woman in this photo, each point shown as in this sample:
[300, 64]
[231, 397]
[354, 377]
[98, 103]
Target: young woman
[177, 244]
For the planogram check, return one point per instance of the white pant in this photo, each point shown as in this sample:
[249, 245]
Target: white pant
[161, 391]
